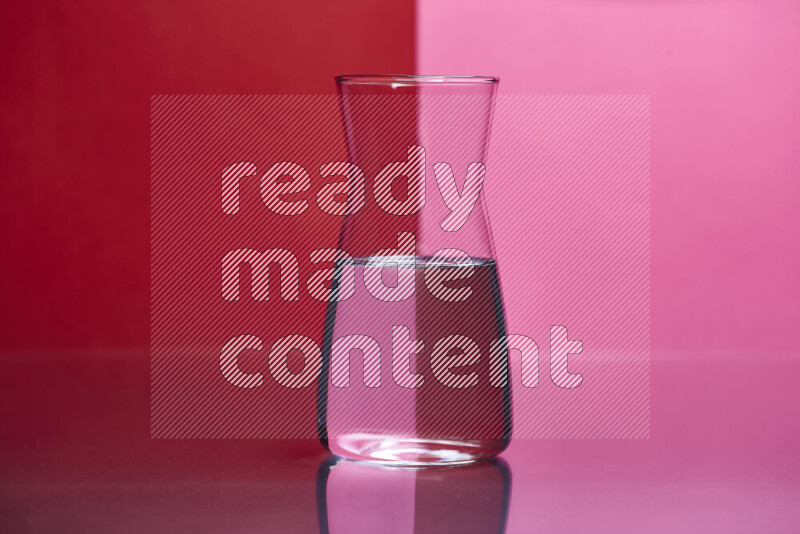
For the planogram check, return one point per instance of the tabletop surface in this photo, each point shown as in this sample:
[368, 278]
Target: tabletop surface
[76, 456]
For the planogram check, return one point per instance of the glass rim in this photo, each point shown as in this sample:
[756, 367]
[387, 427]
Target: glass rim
[415, 79]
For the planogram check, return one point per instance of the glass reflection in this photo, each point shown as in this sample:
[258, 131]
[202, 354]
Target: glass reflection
[361, 498]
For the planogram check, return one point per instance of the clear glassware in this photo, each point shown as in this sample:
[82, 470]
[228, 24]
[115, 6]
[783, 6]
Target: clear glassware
[415, 370]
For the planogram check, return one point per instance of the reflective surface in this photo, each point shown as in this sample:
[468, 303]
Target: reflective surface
[76, 456]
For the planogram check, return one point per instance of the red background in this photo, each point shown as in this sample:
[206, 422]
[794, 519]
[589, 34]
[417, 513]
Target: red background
[74, 323]
[78, 77]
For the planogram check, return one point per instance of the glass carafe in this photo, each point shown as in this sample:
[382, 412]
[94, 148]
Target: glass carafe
[415, 368]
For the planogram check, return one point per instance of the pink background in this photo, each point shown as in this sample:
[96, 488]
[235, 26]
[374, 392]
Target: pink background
[724, 83]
